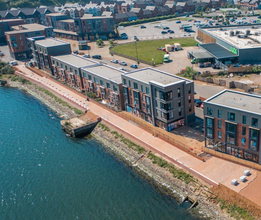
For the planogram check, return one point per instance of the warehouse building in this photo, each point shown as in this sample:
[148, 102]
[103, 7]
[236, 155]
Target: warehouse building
[232, 44]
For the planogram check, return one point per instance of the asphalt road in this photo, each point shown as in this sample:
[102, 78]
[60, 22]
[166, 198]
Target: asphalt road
[206, 91]
[7, 57]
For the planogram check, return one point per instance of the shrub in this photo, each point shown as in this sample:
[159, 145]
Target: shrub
[91, 95]
[77, 111]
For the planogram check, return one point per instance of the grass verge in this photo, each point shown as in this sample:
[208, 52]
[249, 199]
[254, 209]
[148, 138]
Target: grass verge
[147, 50]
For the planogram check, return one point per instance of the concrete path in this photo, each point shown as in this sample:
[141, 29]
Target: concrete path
[218, 170]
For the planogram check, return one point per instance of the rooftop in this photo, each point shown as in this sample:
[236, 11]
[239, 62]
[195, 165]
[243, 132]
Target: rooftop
[107, 72]
[251, 40]
[26, 28]
[218, 51]
[237, 100]
[147, 75]
[51, 42]
[75, 60]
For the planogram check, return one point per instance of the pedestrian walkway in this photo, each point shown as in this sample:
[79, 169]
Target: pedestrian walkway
[214, 169]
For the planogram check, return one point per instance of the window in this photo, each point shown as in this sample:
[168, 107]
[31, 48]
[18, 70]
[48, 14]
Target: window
[254, 122]
[61, 65]
[57, 64]
[108, 85]
[244, 118]
[115, 89]
[95, 80]
[171, 115]
[179, 112]
[170, 106]
[179, 103]
[147, 91]
[141, 88]
[190, 108]
[209, 122]
[89, 77]
[189, 99]
[243, 130]
[189, 90]
[209, 111]
[53, 61]
[219, 124]
[243, 141]
[101, 82]
[71, 70]
[125, 82]
[129, 83]
[231, 139]
[178, 91]
[84, 74]
[135, 85]
[209, 132]
[75, 71]
[219, 134]
[156, 103]
[219, 113]
[253, 145]
[231, 116]
[230, 127]
[156, 93]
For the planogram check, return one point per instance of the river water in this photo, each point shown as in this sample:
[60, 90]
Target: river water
[46, 175]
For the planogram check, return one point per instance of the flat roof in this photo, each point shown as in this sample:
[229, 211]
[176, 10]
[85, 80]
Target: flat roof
[147, 75]
[8, 20]
[50, 42]
[201, 54]
[252, 40]
[218, 51]
[64, 32]
[27, 28]
[107, 72]
[75, 60]
[237, 100]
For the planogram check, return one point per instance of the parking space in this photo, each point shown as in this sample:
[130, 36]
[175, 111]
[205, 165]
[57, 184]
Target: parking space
[7, 57]
[151, 32]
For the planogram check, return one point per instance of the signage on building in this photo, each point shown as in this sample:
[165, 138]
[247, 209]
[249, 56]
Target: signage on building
[233, 50]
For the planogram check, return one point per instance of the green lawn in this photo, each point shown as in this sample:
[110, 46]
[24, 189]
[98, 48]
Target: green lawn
[180, 19]
[148, 49]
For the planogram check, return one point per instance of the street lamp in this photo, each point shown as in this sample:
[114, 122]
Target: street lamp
[153, 61]
[137, 59]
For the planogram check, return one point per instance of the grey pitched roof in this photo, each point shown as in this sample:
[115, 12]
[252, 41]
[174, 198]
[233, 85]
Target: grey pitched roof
[130, 14]
[147, 12]
[28, 11]
[121, 15]
[135, 10]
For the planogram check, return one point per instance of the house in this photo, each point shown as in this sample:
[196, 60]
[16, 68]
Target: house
[138, 12]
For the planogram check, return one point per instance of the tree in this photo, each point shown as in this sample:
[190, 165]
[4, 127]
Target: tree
[111, 42]
[196, 10]
[99, 42]
[227, 21]
[189, 72]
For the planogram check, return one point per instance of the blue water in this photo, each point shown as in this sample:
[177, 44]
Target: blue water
[46, 175]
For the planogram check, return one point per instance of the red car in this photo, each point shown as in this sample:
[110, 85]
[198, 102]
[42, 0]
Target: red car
[202, 105]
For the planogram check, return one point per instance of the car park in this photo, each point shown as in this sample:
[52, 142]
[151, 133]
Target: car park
[96, 57]
[135, 66]
[13, 63]
[86, 56]
[123, 63]
[114, 61]
[142, 26]
[164, 32]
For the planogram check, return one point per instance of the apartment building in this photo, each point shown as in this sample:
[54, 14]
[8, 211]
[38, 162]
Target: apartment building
[43, 48]
[6, 25]
[163, 99]
[67, 68]
[105, 81]
[52, 18]
[17, 39]
[233, 123]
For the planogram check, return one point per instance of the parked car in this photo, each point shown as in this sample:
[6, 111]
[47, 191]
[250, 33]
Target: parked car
[198, 104]
[164, 32]
[87, 56]
[114, 61]
[75, 52]
[184, 34]
[244, 18]
[142, 26]
[178, 22]
[165, 28]
[189, 34]
[13, 63]
[1, 54]
[189, 20]
[187, 16]
[123, 63]
[135, 66]
[135, 38]
[121, 69]
[197, 100]
[157, 26]
[171, 32]
[96, 57]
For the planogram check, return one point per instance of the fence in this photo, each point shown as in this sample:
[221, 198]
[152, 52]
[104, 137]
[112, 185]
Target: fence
[164, 135]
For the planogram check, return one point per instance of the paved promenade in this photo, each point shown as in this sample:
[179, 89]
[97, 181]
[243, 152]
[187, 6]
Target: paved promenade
[214, 169]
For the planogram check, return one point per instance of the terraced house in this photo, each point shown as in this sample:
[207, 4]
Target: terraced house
[165, 100]
[105, 82]
[67, 68]
[43, 49]
[232, 125]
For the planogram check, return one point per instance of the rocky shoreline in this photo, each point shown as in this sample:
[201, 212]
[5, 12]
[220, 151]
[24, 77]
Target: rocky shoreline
[161, 178]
